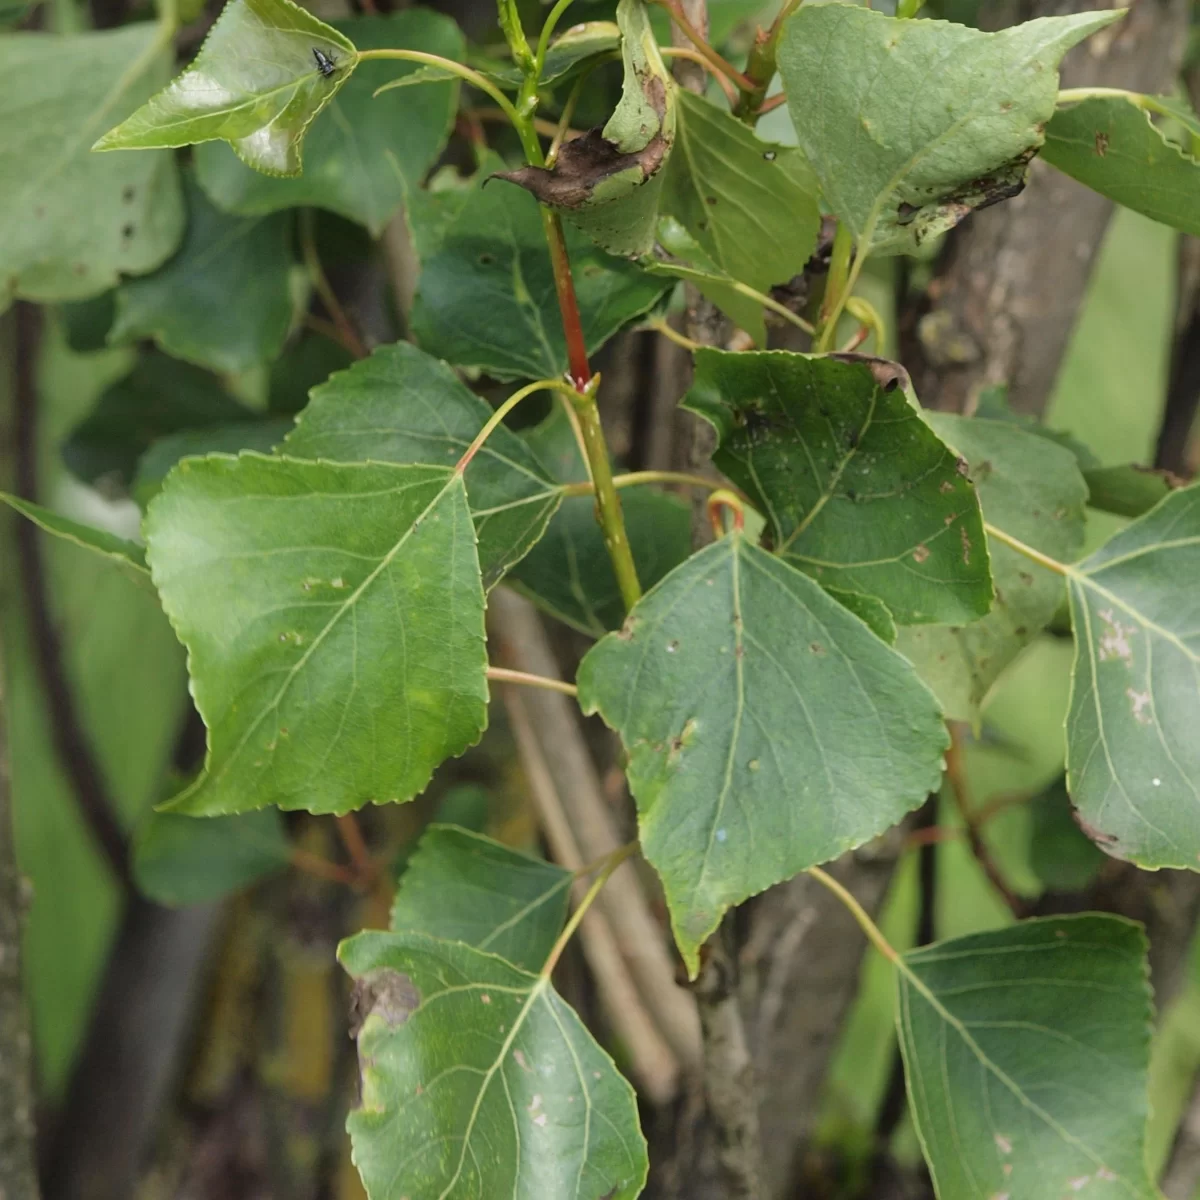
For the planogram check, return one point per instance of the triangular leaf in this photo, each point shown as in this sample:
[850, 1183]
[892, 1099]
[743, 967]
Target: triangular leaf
[333, 616]
[403, 406]
[364, 154]
[569, 573]
[1031, 488]
[257, 83]
[180, 860]
[857, 489]
[767, 729]
[465, 887]
[1026, 1053]
[224, 301]
[478, 1080]
[1113, 146]
[127, 553]
[751, 205]
[70, 222]
[1133, 755]
[910, 125]
[486, 297]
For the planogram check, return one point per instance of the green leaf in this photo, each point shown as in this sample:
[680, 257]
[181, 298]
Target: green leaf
[255, 84]
[180, 860]
[911, 125]
[402, 406]
[1026, 1053]
[1060, 853]
[334, 621]
[689, 263]
[155, 465]
[479, 1080]
[367, 151]
[752, 206]
[580, 45]
[1112, 145]
[70, 222]
[608, 181]
[857, 489]
[1032, 489]
[127, 553]
[1133, 758]
[486, 295]
[1128, 490]
[569, 573]
[872, 612]
[160, 396]
[467, 888]
[224, 301]
[767, 729]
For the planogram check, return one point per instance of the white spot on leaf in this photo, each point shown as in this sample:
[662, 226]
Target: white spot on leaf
[1114, 641]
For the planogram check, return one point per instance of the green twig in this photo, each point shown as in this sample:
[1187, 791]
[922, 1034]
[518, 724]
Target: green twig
[840, 283]
[608, 503]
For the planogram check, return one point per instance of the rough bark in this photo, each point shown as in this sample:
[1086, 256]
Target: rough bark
[1006, 298]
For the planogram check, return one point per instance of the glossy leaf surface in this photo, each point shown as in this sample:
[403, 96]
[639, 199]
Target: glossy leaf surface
[1114, 147]
[180, 860]
[479, 1080]
[71, 222]
[1032, 489]
[224, 301]
[464, 887]
[751, 205]
[365, 152]
[569, 573]
[486, 295]
[1133, 758]
[910, 125]
[256, 84]
[403, 406]
[333, 616]
[858, 491]
[1026, 1053]
[767, 729]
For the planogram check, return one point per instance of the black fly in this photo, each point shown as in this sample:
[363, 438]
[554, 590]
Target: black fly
[325, 63]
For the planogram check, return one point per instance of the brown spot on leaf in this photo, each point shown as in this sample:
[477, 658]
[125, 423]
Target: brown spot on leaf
[385, 993]
[1101, 143]
[945, 486]
[1106, 841]
[966, 545]
[921, 553]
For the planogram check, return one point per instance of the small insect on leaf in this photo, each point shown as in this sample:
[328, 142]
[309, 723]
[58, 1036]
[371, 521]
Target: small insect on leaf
[325, 62]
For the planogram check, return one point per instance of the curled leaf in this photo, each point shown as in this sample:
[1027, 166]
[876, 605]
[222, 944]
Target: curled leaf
[608, 180]
[264, 72]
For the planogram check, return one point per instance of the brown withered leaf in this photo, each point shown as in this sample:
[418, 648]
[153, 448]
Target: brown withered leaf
[583, 163]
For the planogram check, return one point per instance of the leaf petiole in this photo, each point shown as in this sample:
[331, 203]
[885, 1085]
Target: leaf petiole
[446, 64]
[539, 385]
[611, 863]
[505, 675]
[634, 478]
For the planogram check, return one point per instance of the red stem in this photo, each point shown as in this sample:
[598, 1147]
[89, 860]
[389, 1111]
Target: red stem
[564, 285]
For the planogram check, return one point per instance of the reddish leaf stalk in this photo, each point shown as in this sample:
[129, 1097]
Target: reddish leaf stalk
[577, 358]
